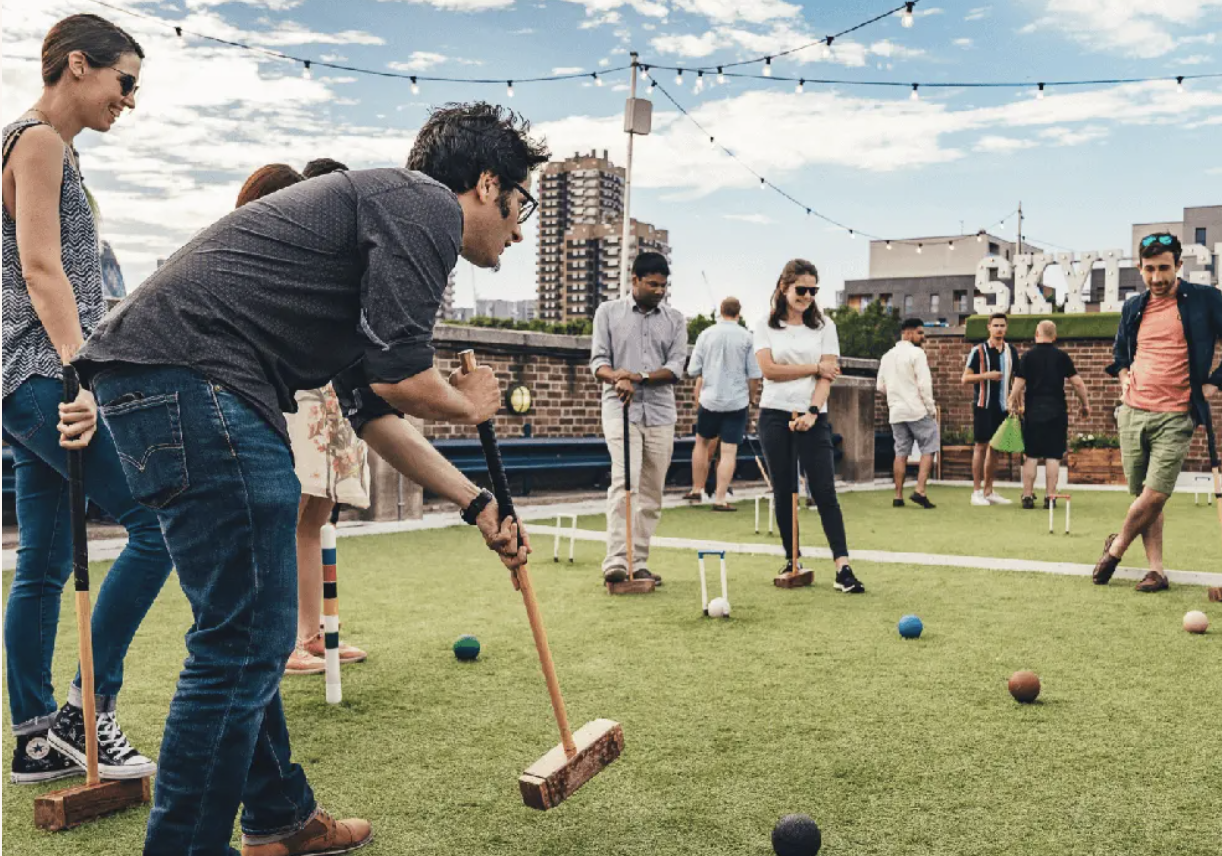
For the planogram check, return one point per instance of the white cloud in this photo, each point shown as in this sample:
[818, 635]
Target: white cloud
[994, 144]
[1074, 136]
[646, 8]
[729, 11]
[920, 12]
[1134, 28]
[595, 21]
[979, 13]
[568, 69]
[458, 5]
[963, 43]
[604, 62]
[761, 219]
[1192, 59]
[418, 61]
[273, 5]
[781, 36]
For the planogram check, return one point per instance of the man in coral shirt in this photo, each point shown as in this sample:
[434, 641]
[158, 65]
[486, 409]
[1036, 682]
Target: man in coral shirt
[1163, 354]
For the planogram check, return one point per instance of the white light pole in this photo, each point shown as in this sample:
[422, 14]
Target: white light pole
[638, 117]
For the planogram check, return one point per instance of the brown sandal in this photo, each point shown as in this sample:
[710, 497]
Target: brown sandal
[724, 507]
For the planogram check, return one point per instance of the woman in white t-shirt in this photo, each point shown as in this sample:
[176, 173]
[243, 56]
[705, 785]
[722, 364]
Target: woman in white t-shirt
[798, 351]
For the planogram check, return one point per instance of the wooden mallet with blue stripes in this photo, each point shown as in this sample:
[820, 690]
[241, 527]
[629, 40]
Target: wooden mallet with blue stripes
[330, 609]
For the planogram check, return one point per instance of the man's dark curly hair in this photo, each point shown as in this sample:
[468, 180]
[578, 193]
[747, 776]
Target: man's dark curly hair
[460, 142]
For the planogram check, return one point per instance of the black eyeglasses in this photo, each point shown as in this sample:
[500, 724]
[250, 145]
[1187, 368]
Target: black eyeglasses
[127, 82]
[528, 202]
[804, 290]
[1165, 240]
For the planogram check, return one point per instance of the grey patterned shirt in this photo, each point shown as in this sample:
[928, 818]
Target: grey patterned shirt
[627, 338]
[28, 351]
[344, 271]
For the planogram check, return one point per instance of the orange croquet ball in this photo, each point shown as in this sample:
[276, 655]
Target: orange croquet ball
[1024, 686]
[1196, 621]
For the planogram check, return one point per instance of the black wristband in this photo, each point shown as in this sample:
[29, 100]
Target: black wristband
[813, 411]
[472, 512]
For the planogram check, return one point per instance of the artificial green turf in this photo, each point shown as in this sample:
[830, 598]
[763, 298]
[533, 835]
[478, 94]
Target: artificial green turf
[1193, 539]
[803, 701]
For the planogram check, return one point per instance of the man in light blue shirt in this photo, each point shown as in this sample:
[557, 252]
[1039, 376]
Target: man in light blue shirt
[727, 381]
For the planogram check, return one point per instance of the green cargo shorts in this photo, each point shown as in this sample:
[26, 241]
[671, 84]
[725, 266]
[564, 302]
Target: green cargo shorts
[1153, 447]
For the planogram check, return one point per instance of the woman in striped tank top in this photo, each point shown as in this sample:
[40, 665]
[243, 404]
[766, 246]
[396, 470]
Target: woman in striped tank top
[52, 287]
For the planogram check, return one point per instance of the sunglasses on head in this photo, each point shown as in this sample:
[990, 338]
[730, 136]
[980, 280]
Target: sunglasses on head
[805, 290]
[1165, 240]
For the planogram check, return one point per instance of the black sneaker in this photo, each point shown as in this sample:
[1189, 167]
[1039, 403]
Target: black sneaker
[846, 582]
[922, 500]
[1049, 501]
[615, 574]
[117, 759]
[1029, 502]
[646, 574]
[34, 760]
[897, 503]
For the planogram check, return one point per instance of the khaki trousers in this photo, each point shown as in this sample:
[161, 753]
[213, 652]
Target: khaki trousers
[651, 452]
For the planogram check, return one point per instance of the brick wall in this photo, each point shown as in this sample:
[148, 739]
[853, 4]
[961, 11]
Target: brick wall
[948, 351]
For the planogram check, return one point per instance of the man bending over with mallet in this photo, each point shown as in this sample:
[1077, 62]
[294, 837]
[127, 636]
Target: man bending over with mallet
[1163, 354]
[192, 374]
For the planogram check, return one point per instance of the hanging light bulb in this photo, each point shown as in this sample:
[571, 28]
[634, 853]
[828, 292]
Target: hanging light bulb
[598, 81]
[915, 96]
[645, 71]
[1179, 84]
[827, 47]
[178, 32]
[305, 69]
[952, 245]
[763, 186]
[721, 75]
[980, 236]
[768, 66]
[712, 142]
[509, 88]
[801, 85]
[415, 87]
[652, 84]
[888, 245]
[907, 17]
[700, 81]
[1039, 93]
[852, 234]
[919, 246]
[679, 77]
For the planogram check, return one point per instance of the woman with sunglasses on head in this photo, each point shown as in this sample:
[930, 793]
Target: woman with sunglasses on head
[331, 462]
[798, 352]
[52, 285]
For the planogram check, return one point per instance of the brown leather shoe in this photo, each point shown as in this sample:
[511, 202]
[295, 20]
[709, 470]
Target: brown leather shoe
[323, 835]
[1215, 594]
[1152, 582]
[1107, 564]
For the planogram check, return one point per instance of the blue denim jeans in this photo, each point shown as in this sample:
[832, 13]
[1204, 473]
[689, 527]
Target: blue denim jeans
[44, 558]
[222, 484]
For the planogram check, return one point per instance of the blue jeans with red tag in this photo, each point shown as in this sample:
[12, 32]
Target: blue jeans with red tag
[221, 482]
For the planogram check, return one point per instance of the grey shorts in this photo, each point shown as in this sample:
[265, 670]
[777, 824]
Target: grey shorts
[923, 431]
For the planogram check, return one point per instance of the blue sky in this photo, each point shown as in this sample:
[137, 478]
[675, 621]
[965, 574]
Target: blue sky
[1086, 162]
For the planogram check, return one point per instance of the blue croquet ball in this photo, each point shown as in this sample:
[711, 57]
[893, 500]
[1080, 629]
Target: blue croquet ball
[796, 835]
[910, 627]
[466, 648]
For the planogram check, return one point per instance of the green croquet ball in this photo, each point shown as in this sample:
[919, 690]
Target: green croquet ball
[466, 648]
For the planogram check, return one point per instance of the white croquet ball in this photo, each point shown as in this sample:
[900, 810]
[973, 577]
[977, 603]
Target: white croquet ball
[1194, 622]
[719, 607]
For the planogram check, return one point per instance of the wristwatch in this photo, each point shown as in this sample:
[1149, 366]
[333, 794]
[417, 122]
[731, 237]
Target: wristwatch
[471, 513]
[644, 378]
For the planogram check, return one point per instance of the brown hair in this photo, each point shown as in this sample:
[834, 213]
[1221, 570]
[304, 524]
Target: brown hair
[731, 308]
[794, 268]
[266, 180]
[99, 40]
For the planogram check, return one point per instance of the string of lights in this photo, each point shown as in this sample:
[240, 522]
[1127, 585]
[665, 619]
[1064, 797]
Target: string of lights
[765, 184]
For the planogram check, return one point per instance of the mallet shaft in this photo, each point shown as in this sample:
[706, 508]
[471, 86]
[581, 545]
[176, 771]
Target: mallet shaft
[628, 486]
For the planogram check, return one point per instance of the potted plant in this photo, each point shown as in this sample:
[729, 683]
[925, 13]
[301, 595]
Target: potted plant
[955, 459]
[1095, 459]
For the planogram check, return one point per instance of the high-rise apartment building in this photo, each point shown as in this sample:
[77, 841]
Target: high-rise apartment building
[445, 312]
[581, 207]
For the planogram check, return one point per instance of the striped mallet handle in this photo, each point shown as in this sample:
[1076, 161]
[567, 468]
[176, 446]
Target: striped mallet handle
[80, 574]
[797, 481]
[1214, 461]
[628, 484]
[504, 501]
[330, 610]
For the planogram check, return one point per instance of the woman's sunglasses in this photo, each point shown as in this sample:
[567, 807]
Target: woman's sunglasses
[805, 290]
[127, 82]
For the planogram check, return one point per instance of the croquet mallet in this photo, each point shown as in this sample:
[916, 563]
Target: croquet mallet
[581, 756]
[1215, 594]
[629, 586]
[330, 608]
[70, 807]
[795, 577]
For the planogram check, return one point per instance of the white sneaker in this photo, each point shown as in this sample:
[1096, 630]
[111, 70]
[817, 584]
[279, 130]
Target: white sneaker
[995, 499]
[978, 498]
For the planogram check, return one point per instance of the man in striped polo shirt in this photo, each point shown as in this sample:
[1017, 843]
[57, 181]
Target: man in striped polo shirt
[991, 366]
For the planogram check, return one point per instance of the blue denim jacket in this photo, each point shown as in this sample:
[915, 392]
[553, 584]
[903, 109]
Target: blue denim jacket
[1201, 312]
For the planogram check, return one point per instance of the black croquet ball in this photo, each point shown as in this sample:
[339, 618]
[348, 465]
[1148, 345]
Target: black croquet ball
[466, 648]
[796, 835]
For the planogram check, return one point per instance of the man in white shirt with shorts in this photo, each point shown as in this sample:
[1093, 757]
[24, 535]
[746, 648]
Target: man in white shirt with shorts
[903, 376]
